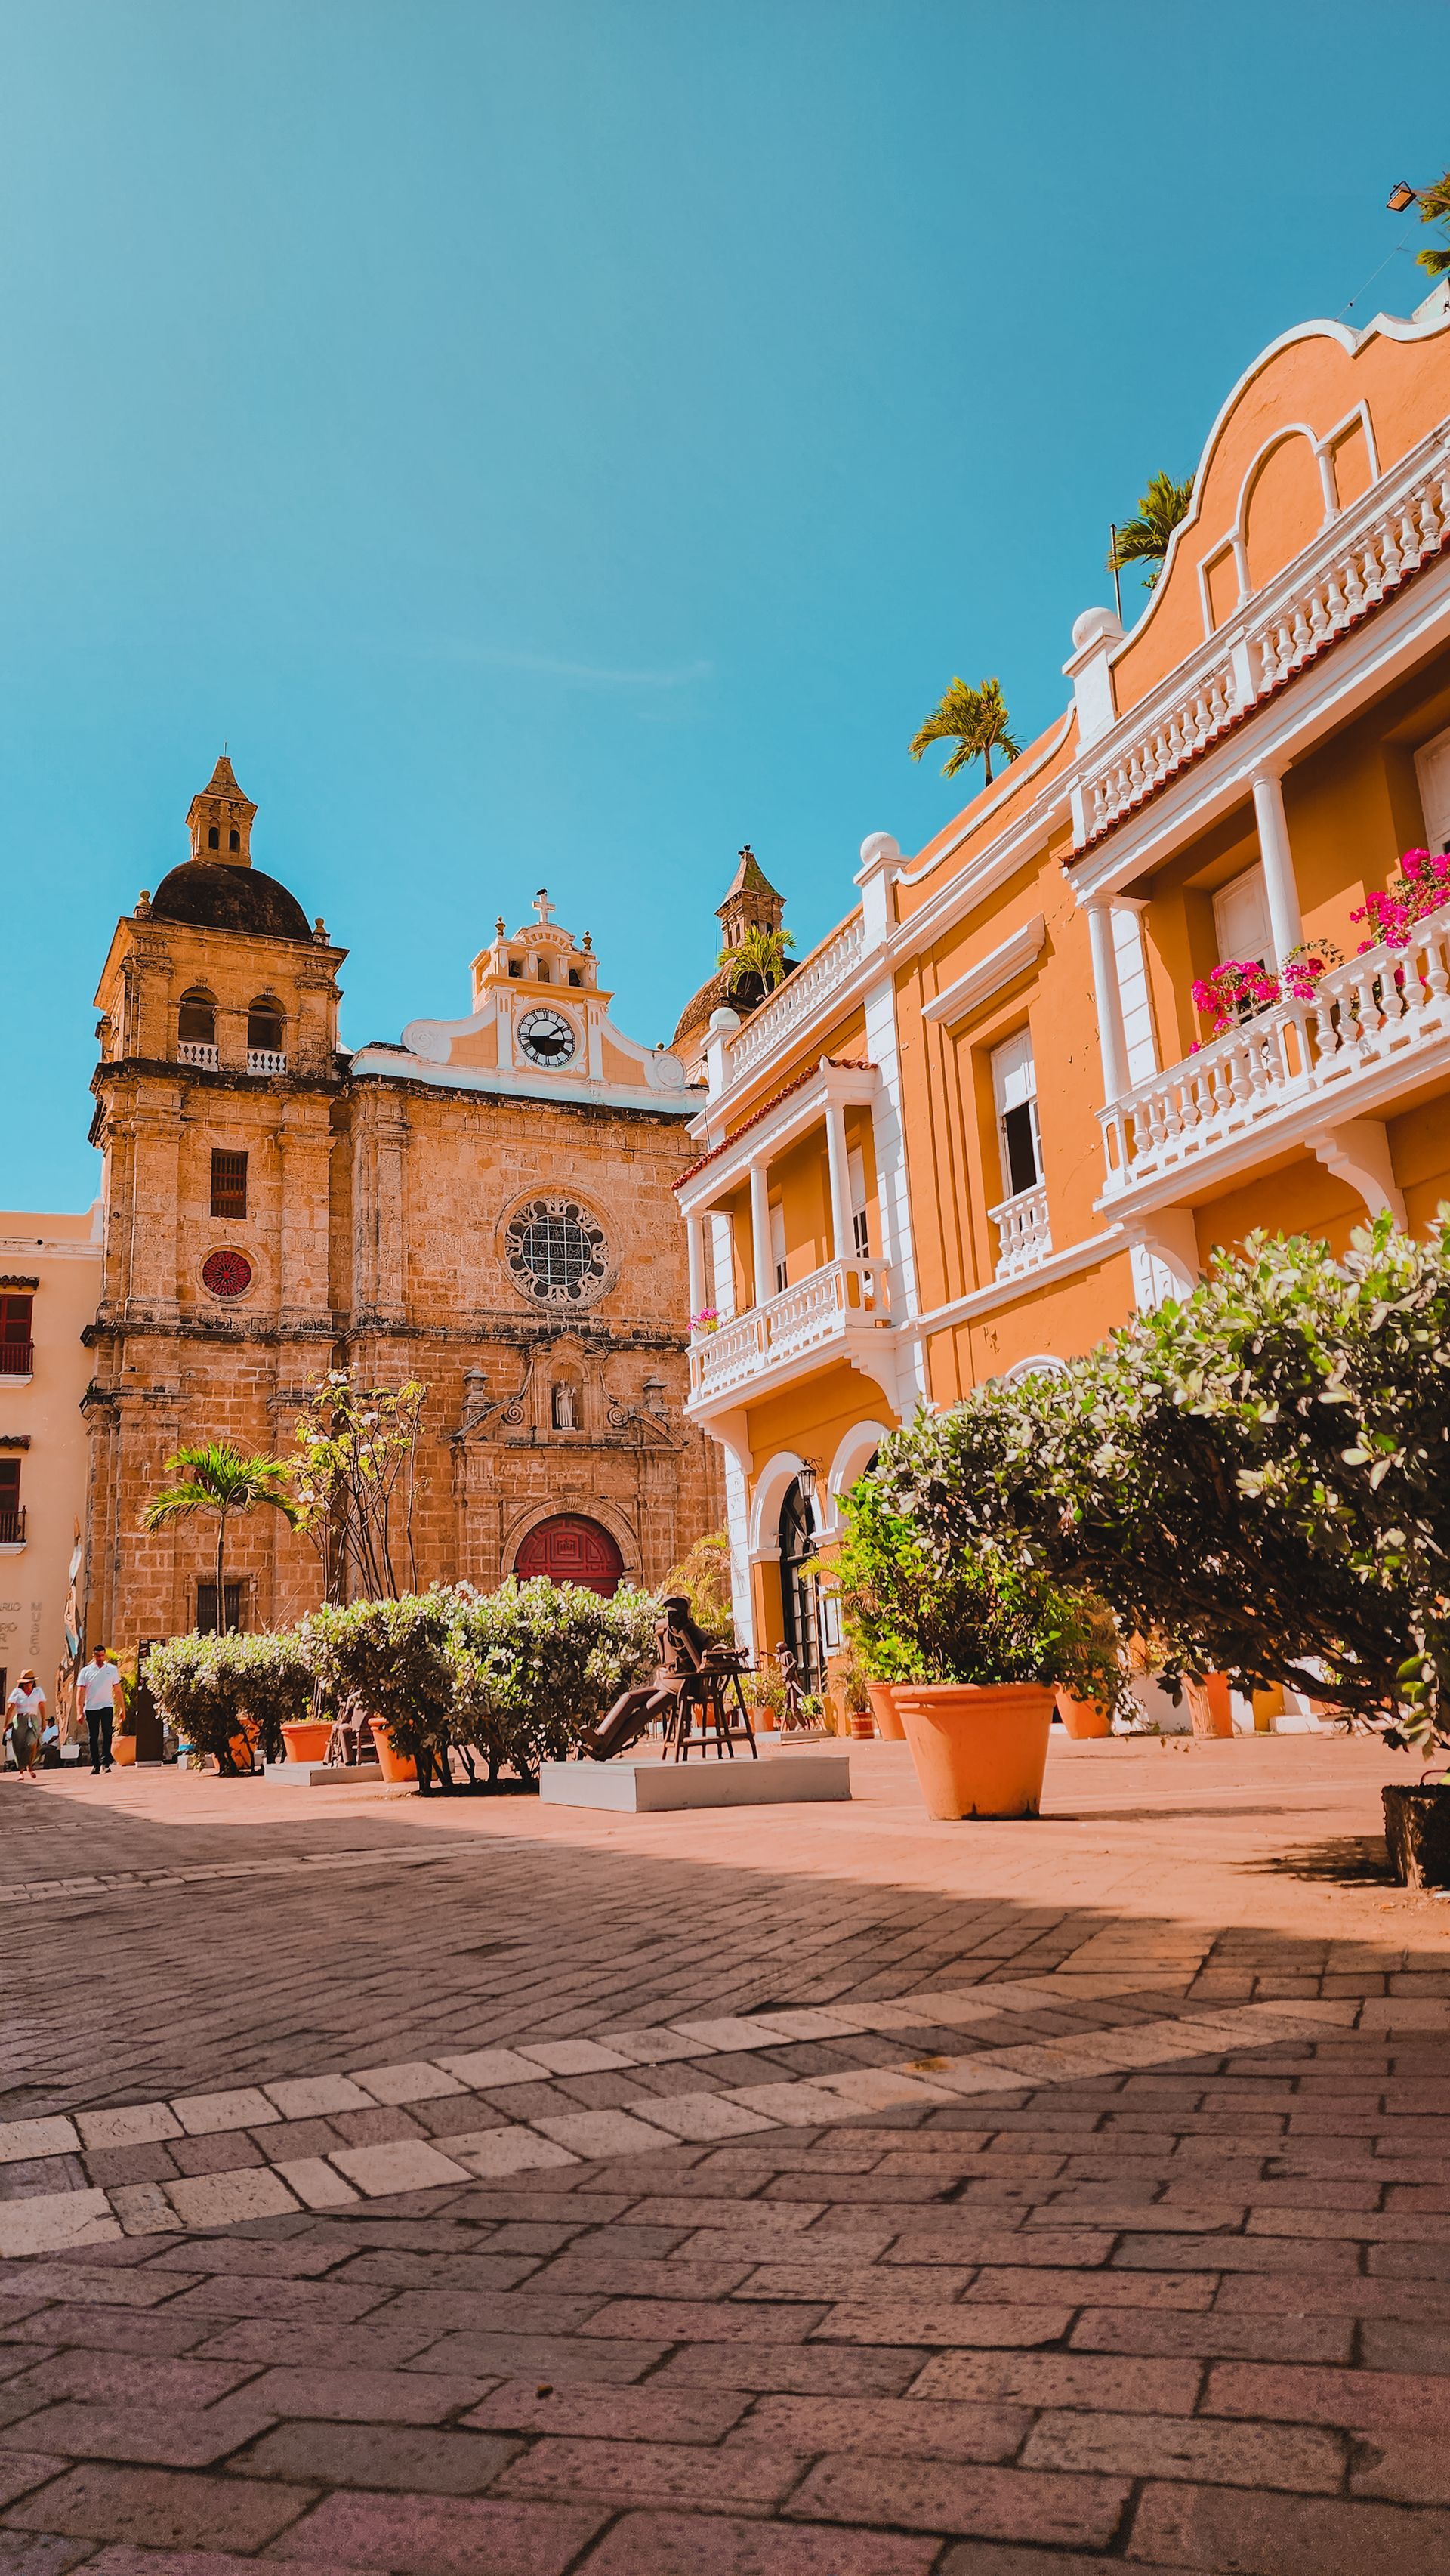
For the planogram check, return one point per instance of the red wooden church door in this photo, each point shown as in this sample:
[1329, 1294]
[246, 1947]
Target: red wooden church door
[570, 1549]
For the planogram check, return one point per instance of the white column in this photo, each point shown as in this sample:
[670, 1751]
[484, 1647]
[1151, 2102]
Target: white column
[1284, 916]
[840, 1181]
[1109, 1001]
[695, 1229]
[760, 1232]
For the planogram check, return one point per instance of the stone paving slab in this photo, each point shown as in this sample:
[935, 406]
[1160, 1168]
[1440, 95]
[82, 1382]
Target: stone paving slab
[609, 2254]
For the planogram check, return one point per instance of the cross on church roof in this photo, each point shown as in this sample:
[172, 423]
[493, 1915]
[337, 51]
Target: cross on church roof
[543, 907]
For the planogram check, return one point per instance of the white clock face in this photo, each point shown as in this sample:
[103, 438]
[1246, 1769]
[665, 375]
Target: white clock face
[546, 1039]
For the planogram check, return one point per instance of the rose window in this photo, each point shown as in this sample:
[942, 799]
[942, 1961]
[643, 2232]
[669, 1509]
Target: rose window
[556, 1251]
[226, 1274]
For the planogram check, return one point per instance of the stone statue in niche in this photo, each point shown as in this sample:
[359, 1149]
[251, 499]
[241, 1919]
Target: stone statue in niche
[565, 1406]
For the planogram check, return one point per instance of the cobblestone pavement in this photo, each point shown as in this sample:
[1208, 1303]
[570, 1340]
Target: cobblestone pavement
[798, 2193]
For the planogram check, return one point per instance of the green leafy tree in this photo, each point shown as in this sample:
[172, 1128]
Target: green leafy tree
[915, 1612]
[198, 1683]
[392, 1656]
[1144, 540]
[216, 1479]
[1435, 209]
[276, 1684]
[1257, 1477]
[352, 1470]
[537, 1664]
[757, 963]
[976, 720]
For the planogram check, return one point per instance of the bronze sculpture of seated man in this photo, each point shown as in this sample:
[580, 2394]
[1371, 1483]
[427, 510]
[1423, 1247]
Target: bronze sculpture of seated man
[687, 1670]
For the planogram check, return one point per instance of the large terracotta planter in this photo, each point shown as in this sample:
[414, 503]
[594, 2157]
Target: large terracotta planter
[394, 1766]
[307, 1739]
[1082, 1717]
[980, 1748]
[123, 1749]
[883, 1709]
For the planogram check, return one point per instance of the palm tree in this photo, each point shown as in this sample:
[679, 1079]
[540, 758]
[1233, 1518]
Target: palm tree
[976, 720]
[758, 956]
[217, 1478]
[1435, 209]
[1144, 540]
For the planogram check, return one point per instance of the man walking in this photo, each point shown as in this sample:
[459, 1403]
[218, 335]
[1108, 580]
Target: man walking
[98, 1688]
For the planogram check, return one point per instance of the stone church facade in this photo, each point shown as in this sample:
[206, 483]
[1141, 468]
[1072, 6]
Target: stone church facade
[486, 1208]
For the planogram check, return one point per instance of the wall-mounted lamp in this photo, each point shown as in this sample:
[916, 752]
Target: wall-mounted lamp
[1400, 196]
[806, 1476]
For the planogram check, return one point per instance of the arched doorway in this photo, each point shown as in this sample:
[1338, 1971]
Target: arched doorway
[571, 1549]
[799, 1595]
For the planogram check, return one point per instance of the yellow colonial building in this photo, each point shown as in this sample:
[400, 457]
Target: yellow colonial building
[985, 1117]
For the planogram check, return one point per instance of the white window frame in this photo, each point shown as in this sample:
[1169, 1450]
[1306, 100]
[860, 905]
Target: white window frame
[1014, 1086]
[1238, 887]
[1432, 770]
[779, 1257]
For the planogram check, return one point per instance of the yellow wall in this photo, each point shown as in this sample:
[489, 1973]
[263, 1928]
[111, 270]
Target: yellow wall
[64, 1254]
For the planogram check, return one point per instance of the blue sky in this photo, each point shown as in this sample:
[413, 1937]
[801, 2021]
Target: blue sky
[558, 443]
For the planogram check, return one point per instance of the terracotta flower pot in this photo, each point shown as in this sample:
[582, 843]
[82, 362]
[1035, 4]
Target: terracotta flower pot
[307, 1739]
[863, 1726]
[123, 1748]
[1082, 1717]
[765, 1721]
[394, 1766]
[883, 1709]
[980, 1748]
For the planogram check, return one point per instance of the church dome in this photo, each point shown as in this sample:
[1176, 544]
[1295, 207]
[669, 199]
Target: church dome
[214, 896]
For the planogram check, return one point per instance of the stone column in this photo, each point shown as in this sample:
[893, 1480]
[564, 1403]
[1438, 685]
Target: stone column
[1111, 1038]
[154, 1202]
[1285, 921]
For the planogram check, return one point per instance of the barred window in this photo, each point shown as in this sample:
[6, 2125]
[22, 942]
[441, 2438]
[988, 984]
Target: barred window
[557, 1252]
[228, 1185]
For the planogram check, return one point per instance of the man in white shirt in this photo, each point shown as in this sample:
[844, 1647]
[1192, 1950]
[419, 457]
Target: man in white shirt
[98, 1689]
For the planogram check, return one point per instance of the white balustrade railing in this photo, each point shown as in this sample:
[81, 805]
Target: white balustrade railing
[192, 1051]
[815, 1310]
[266, 1060]
[1376, 1007]
[1360, 558]
[1023, 1232]
[814, 980]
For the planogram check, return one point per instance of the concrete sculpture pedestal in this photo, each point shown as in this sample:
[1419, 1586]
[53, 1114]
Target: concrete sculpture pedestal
[323, 1775]
[651, 1786]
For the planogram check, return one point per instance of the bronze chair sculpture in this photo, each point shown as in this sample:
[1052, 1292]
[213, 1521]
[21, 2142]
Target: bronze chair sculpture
[696, 1685]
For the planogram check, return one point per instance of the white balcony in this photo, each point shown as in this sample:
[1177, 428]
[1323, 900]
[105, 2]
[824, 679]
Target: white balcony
[193, 1051]
[1375, 1029]
[266, 1060]
[1023, 1233]
[816, 977]
[838, 1312]
[1359, 559]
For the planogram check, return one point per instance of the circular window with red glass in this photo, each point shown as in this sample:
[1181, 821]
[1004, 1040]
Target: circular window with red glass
[226, 1274]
